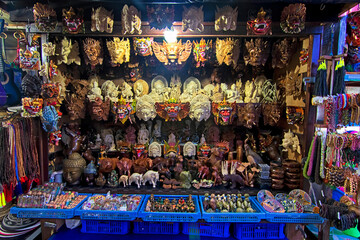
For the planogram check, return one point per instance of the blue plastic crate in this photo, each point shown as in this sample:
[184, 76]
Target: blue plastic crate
[109, 215]
[234, 217]
[207, 229]
[291, 217]
[170, 216]
[259, 231]
[107, 227]
[156, 228]
[46, 212]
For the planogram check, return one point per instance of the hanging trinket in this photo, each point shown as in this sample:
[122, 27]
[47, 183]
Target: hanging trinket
[142, 46]
[130, 20]
[173, 52]
[93, 52]
[45, 17]
[124, 110]
[50, 119]
[172, 110]
[227, 51]
[224, 112]
[193, 19]
[201, 52]
[32, 107]
[293, 18]
[73, 21]
[119, 51]
[226, 18]
[260, 25]
[256, 52]
[160, 17]
[102, 20]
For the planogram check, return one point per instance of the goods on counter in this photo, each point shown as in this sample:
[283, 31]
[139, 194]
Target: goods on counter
[228, 203]
[112, 202]
[159, 204]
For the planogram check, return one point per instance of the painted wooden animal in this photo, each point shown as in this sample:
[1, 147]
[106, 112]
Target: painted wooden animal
[204, 172]
[107, 164]
[141, 165]
[152, 177]
[124, 180]
[137, 178]
[124, 166]
[234, 179]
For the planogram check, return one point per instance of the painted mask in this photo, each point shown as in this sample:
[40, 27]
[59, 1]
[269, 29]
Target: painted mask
[130, 20]
[73, 22]
[271, 114]
[193, 19]
[32, 107]
[102, 20]
[99, 110]
[139, 150]
[172, 53]
[119, 51]
[261, 25]
[160, 17]
[282, 52]
[223, 147]
[123, 110]
[293, 18]
[45, 17]
[171, 149]
[226, 18]
[93, 52]
[142, 46]
[53, 69]
[201, 51]
[256, 52]
[50, 92]
[50, 119]
[353, 20]
[248, 115]
[172, 110]
[223, 112]
[75, 106]
[204, 150]
[124, 147]
[29, 59]
[227, 51]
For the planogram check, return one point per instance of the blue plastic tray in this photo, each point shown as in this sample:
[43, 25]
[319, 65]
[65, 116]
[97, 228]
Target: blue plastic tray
[207, 229]
[46, 212]
[170, 216]
[234, 217]
[156, 228]
[109, 215]
[259, 231]
[107, 227]
[291, 217]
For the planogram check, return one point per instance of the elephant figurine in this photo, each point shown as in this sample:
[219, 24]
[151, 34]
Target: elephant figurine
[137, 178]
[152, 177]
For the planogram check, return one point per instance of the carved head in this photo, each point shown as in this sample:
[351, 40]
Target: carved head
[282, 52]
[75, 106]
[261, 24]
[92, 49]
[123, 110]
[227, 51]
[256, 52]
[204, 150]
[155, 149]
[200, 108]
[99, 110]
[73, 167]
[226, 18]
[145, 108]
[271, 113]
[160, 17]
[248, 115]
[193, 19]
[139, 150]
[119, 51]
[45, 17]
[73, 21]
[189, 149]
[293, 18]
[223, 112]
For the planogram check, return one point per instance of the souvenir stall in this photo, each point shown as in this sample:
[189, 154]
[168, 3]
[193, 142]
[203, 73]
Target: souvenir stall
[191, 120]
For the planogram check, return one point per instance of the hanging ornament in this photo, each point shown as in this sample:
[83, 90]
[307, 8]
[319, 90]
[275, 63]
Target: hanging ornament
[45, 17]
[260, 25]
[293, 18]
[173, 52]
[226, 18]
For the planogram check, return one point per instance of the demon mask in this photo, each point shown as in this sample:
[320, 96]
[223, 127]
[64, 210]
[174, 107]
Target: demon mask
[204, 150]
[93, 52]
[353, 20]
[50, 119]
[261, 25]
[256, 52]
[75, 106]
[293, 18]
[142, 46]
[119, 51]
[99, 110]
[283, 51]
[45, 17]
[171, 149]
[227, 51]
[223, 112]
[193, 19]
[248, 115]
[139, 150]
[226, 18]
[32, 107]
[160, 17]
[123, 110]
[172, 110]
[271, 113]
[174, 52]
[73, 22]
[201, 51]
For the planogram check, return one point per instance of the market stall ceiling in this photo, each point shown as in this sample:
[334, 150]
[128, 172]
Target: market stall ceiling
[317, 10]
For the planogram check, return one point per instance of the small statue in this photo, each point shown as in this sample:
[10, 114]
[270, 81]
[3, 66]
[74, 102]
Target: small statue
[159, 89]
[126, 92]
[109, 142]
[95, 91]
[107, 164]
[157, 129]
[76, 139]
[252, 157]
[185, 179]
[155, 149]
[69, 53]
[291, 142]
[113, 179]
[143, 134]
[141, 88]
[137, 178]
[152, 177]
[110, 91]
[233, 95]
[235, 180]
[73, 167]
[189, 149]
[191, 87]
[119, 51]
[100, 180]
[124, 180]
[124, 166]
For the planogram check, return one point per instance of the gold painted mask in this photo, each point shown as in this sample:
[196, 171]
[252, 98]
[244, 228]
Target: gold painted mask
[226, 18]
[119, 51]
[93, 52]
[168, 53]
[227, 51]
[102, 20]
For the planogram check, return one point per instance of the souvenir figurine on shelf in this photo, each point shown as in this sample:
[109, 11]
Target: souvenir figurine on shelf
[76, 140]
[192, 19]
[291, 142]
[201, 51]
[45, 17]
[155, 149]
[141, 88]
[292, 18]
[185, 179]
[232, 94]
[282, 52]
[227, 51]
[100, 180]
[32, 107]
[95, 91]
[235, 180]
[143, 134]
[49, 49]
[123, 110]
[189, 149]
[213, 135]
[130, 135]
[102, 20]
[200, 108]
[110, 91]
[191, 87]
[73, 21]
[226, 18]
[223, 112]
[150, 176]
[113, 179]
[130, 20]
[49, 119]
[124, 166]
[107, 164]
[142, 46]
[256, 52]
[172, 110]
[119, 51]
[172, 52]
[89, 173]
[269, 91]
[93, 52]
[252, 157]
[126, 92]
[73, 167]
[159, 89]
[145, 108]
[69, 52]
[160, 17]
[136, 178]
[261, 25]
[124, 180]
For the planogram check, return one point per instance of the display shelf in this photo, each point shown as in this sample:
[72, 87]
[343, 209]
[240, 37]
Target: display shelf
[207, 229]
[141, 227]
[108, 215]
[170, 216]
[46, 212]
